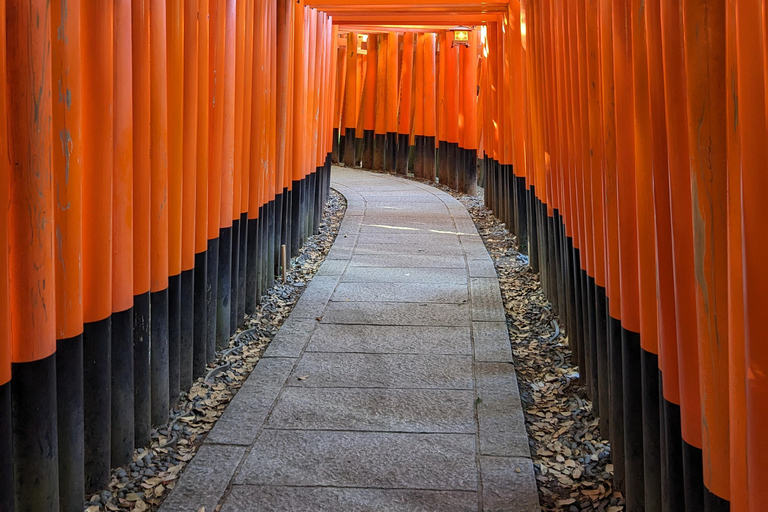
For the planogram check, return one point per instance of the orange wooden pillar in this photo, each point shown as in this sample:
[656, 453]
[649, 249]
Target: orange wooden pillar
[647, 271]
[175, 115]
[393, 83]
[6, 348]
[468, 117]
[404, 112]
[452, 114]
[350, 101]
[298, 140]
[706, 83]
[122, 241]
[31, 264]
[247, 239]
[368, 110]
[98, 118]
[442, 146]
[752, 132]
[141, 221]
[418, 107]
[380, 111]
[613, 302]
[682, 244]
[338, 108]
[670, 467]
[748, 26]
[429, 104]
[196, 157]
[68, 215]
[159, 213]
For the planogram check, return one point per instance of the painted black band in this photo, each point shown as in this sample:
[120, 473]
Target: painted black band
[224, 289]
[69, 412]
[97, 405]
[6, 447]
[159, 361]
[122, 388]
[652, 461]
[187, 328]
[212, 286]
[35, 437]
[200, 316]
[174, 338]
[142, 408]
[234, 275]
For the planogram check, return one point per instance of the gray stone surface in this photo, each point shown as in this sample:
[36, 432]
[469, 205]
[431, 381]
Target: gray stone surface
[382, 410]
[396, 313]
[415, 260]
[246, 498]
[205, 479]
[389, 388]
[394, 292]
[404, 275]
[242, 420]
[391, 339]
[499, 413]
[492, 342]
[486, 300]
[349, 370]
[292, 337]
[508, 485]
[362, 459]
[315, 297]
[481, 267]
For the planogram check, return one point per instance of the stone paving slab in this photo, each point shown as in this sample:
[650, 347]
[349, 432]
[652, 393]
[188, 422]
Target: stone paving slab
[406, 275]
[486, 300]
[508, 485]
[292, 337]
[350, 370]
[416, 260]
[245, 498]
[492, 342]
[205, 479]
[391, 339]
[376, 410]
[396, 313]
[499, 413]
[243, 418]
[361, 459]
[393, 292]
[389, 388]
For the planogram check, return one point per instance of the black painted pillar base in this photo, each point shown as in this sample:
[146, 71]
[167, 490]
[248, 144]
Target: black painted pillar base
[390, 152]
[187, 347]
[6, 448]
[429, 158]
[234, 275]
[470, 169]
[358, 150]
[591, 320]
[319, 204]
[533, 235]
[224, 290]
[522, 215]
[368, 149]
[601, 357]
[419, 164]
[296, 216]
[379, 142]
[35, 436]
[349, 147]
[403, 147]
[273, 249]
[672, 479]
[617, 399]
[122, 388]
[241, 270]
[335, 145]
[200, 316]
[652, 461]
[284, 223]
[142, 409]
[693, 474]
[633, 427]
[255, 243]
[212, 286]
[159, 362]
[69, 410]
[461, 175]
[97, 404]
[174, 338]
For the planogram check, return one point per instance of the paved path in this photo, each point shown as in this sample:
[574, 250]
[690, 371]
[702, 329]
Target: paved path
[389, 388]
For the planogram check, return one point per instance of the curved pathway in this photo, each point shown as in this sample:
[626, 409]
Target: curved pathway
[391, 385]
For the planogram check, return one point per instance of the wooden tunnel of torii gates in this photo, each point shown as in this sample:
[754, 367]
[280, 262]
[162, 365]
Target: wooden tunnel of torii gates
[157, 154]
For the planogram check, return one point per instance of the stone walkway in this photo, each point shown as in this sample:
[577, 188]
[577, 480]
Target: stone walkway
[391, 385]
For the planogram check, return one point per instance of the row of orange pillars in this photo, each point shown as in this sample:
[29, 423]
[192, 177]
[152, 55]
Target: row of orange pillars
[155, 156]
[408, 102]
[625, 143]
